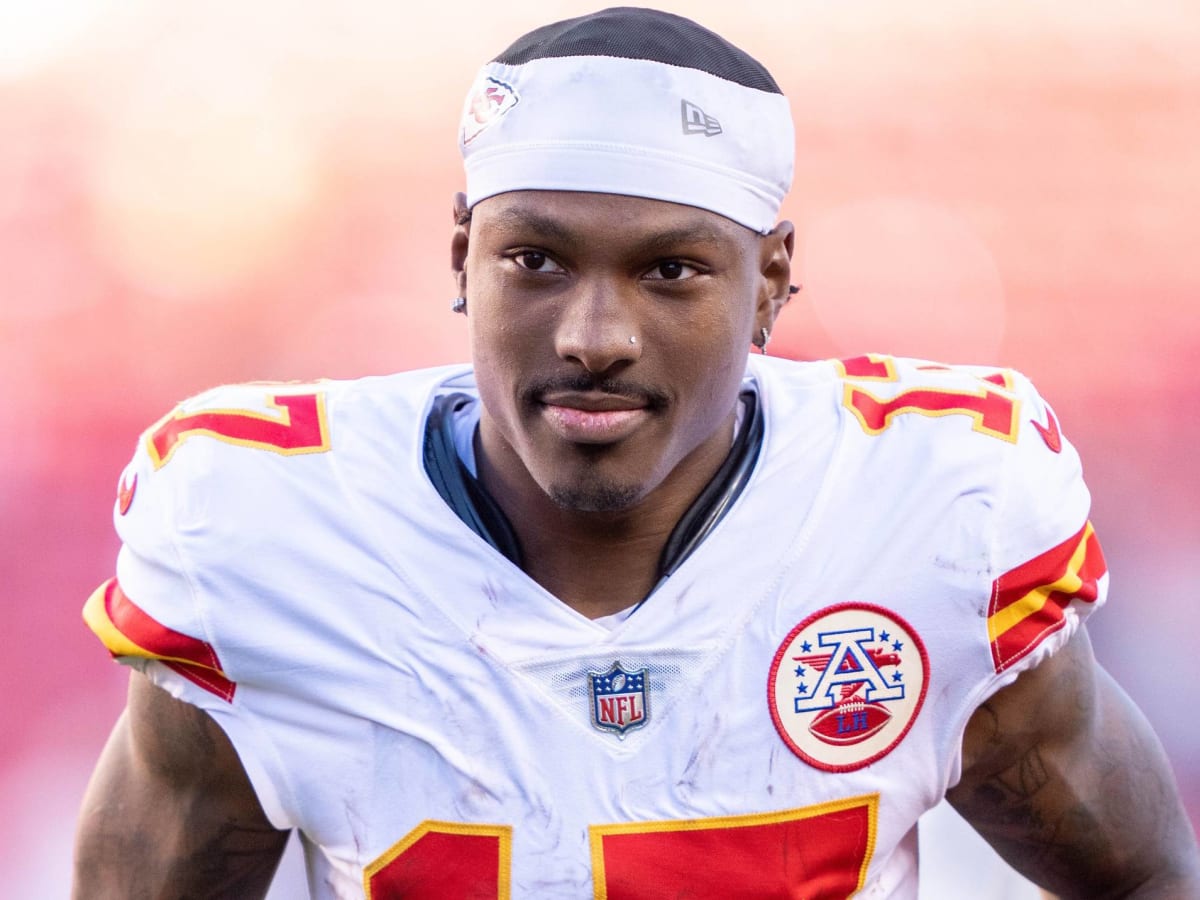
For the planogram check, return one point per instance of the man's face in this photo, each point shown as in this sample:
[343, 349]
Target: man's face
[609, 336]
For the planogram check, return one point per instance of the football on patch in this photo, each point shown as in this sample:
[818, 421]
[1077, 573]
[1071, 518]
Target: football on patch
[849, 723]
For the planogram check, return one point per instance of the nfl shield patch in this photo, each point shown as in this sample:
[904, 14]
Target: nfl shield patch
[619, 699]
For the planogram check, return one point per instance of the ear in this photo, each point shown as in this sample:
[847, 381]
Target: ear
[775, 266]
[459, 242]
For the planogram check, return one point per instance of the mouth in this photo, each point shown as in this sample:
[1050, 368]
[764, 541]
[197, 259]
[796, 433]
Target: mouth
[593, 417]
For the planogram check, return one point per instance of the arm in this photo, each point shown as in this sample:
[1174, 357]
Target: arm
[170, 812]
[1064, 777]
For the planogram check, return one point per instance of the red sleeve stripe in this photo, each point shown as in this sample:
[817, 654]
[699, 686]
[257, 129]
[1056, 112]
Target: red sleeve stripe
[126, 630]
[1028, 602]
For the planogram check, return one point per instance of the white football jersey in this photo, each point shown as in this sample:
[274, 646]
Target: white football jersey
[770, 722]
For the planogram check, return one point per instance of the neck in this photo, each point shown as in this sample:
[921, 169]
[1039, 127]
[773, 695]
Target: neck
[595, 568]
[598, 563]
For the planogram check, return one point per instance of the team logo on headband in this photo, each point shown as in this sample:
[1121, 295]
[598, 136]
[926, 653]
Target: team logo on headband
[846, 685]
[491, 100]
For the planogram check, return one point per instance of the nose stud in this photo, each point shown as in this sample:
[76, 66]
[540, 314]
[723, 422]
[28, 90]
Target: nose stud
[632, 339]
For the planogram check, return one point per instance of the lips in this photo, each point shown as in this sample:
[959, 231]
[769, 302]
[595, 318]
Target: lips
[593, 418]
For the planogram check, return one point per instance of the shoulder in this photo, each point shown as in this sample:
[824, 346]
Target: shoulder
[896, 403]
[990, 421]
[237, 475]
[236, 430]
[241, 499]
[998, 447]
[978, 442]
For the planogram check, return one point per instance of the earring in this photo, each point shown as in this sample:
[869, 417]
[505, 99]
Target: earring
[766, 336]
[459, 305]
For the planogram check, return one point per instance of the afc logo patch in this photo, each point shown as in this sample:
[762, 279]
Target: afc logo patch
[846, 685]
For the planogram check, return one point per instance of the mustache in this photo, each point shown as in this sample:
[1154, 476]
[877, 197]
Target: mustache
[584, 382]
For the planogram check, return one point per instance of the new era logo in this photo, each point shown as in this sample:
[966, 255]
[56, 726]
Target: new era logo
[697, 121]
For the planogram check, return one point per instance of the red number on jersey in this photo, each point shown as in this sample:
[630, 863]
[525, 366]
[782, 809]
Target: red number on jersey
[444, 861]
[298, 427]
[993, 408]
[819, 852]
[869, 367]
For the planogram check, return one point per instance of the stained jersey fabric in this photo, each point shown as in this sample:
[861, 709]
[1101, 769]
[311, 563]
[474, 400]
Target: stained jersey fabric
[774, 718]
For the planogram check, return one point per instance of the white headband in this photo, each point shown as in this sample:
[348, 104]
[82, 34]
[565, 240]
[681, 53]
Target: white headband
[628, 126]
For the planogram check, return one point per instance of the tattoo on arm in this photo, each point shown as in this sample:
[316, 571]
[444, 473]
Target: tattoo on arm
[1077, 793]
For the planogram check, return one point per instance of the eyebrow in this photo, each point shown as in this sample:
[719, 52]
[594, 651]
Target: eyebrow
[699, 233]
[659, 241]
[528, 220]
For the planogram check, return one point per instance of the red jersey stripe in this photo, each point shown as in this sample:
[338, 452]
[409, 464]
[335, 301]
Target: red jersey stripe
[126, 630]
[1028, 602]
[1094, 565]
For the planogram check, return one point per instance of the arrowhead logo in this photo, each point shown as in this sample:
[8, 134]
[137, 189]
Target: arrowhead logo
[125, 494]
[697, 121]
[1051, 435]
[491, 100]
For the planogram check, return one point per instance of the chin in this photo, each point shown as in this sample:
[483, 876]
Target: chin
[595, 496]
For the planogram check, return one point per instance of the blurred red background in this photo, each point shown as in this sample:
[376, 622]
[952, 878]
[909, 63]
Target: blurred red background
[194, 193]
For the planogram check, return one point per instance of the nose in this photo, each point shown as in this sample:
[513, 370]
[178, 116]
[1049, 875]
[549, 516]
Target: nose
[598, 327]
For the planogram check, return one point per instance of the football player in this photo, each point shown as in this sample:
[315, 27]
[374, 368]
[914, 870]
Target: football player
[623, 608]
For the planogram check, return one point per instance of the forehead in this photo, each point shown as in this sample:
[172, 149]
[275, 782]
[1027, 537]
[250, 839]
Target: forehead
[569, 215]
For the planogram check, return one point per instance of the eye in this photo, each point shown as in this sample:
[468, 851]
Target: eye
[671, 270]
[535, 261]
